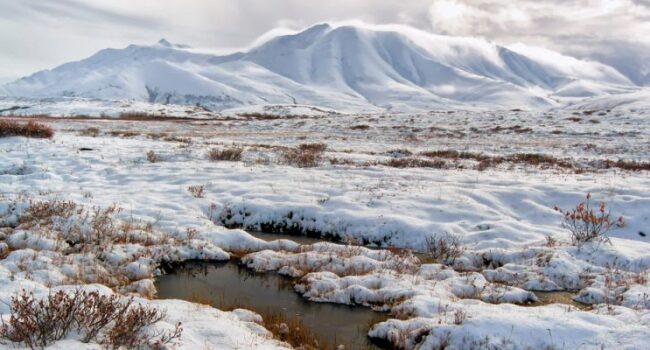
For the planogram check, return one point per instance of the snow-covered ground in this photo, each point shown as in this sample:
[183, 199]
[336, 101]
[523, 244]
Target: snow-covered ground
[373, 186]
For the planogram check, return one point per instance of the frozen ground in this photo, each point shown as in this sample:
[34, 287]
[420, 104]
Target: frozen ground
[373, 186]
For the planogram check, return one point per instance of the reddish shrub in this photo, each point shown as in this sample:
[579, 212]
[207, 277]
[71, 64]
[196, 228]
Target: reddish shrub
[29, 129]
[105, 319]
[586, 224]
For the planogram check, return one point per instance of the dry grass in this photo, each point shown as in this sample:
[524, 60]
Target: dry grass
[629, 165]
[197, 191]
[341, 161]
[88, 234]
[534, 159]
[90, 131]
[141, 116]
[414, 163]
[29, 129]
[38, 212]
[123, 133]
[306, 155]
[198, 298]
[233, 154]
[292, 331]
[152, 157]
[445, 249]
[516, 129]
[268, 116]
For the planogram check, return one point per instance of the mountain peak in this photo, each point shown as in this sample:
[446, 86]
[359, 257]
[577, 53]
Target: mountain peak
[164, 42]
[341, 66]
[319, 27]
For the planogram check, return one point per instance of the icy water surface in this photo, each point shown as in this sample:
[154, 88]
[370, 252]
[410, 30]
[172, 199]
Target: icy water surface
[229, 285]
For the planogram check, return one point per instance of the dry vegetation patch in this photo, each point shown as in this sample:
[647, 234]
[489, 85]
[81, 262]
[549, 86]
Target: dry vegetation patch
[29, 129]
[105, 319]
[232, 154]
[84, 239]
[197, 191]
[90, 131]
[587, 223]
[306, 155]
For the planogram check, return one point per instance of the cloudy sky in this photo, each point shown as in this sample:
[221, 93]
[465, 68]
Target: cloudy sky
[40, 34]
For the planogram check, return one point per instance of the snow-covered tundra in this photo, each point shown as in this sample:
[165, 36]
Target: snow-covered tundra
[104, 202]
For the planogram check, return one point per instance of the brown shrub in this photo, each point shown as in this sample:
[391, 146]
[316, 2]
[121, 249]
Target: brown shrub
[453, 154]
[404, 152]
[486, 161]
[123, 133]
[232, 154]
[141, 116]
[103, 318]
[313, 147]
[29, 129]
[152, 157]
[537, 159]
[586, 225]
[260, 116]
[306, 155]
[415, 163]
[197, 191]
[445, 249]
[42, 213]
[626, 165]
[341, 161]
[90, 131]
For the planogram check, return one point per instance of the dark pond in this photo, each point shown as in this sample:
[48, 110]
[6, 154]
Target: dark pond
[229, 285]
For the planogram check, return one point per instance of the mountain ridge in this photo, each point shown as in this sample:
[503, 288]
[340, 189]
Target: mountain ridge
[340, 67]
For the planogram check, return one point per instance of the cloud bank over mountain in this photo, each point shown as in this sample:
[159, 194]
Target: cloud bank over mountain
[343, 66]
[38, 35]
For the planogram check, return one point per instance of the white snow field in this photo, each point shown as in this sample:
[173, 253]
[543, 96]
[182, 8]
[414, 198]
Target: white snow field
[385, 180]
[349, 67]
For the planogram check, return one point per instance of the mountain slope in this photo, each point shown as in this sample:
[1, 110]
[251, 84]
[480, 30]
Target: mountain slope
[346, 67]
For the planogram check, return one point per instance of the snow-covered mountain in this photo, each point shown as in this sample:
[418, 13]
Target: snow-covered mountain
[343, 67]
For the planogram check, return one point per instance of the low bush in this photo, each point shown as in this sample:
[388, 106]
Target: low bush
[232, 154]
[415, 163]
[197, 191]
[586, 225]
[152, 157]
[90, 131]
[306, 155]
[29, 129]
[105, 319]
[445, 249]
[142, 116]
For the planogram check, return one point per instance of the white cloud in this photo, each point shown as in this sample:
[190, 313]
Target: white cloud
[615, 32]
